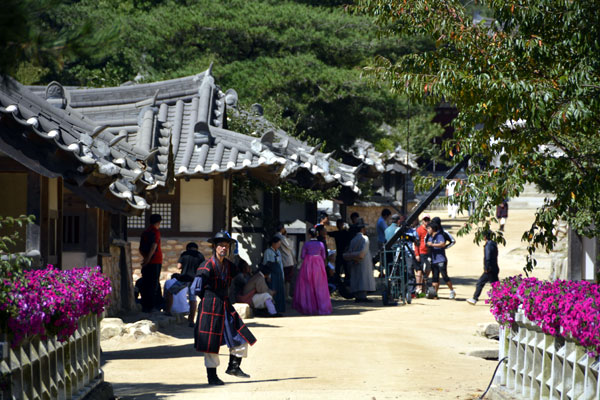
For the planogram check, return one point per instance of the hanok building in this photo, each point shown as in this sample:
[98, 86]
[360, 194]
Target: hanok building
[78, 178]
[306, 167]
[181, 126]
[388, 174]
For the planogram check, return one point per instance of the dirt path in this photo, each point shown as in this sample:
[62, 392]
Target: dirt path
[417, 351]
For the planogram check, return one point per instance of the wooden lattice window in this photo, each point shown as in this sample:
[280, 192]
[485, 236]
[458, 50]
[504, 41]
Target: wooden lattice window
[137, 222]
[166, 212]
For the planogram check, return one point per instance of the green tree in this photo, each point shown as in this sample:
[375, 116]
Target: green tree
[536, 63]
[32, 45]
[300, 59]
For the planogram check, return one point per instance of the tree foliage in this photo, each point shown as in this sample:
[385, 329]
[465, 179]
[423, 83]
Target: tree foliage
[301, 60]
[536, 65]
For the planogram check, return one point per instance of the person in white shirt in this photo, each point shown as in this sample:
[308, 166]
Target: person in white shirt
[452, 207]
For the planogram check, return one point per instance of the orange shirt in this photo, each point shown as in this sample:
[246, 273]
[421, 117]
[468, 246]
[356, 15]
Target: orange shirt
[421, 248]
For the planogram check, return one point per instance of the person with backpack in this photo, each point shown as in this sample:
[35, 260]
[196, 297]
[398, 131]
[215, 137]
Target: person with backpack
[151, 265]
[450, 241]
[439, 263]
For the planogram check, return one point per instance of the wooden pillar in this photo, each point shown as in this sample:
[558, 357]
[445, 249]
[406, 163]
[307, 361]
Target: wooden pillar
[311, 212]
[34, 191]
[44, 221]
[59, 223]
[91, 232]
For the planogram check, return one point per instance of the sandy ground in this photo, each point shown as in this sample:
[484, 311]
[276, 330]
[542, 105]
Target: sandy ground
[417, 351]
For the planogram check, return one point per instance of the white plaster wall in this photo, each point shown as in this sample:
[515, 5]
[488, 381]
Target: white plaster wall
[196, 211]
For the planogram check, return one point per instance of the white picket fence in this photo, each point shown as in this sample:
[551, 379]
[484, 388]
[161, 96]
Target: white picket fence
[49, 369]
[541, 366]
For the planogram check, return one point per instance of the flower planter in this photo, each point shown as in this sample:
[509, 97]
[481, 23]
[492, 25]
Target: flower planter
[50, 369]
[541, 366]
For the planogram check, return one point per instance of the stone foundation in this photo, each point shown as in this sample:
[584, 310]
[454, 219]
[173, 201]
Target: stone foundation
[117, 267]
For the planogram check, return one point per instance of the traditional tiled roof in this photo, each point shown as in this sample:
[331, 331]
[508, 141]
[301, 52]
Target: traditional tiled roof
[371, 163]
[50, 137]
[305, 164]
[194, 109]
[187, 119]
[400, 161]
[192, 113]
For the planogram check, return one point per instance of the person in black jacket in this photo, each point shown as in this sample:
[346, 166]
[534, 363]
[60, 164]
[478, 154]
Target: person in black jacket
[188, 263]
[218, 323]
[490, 267]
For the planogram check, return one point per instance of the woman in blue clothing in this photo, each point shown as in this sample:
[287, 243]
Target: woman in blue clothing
[439, 263]
[273, 256]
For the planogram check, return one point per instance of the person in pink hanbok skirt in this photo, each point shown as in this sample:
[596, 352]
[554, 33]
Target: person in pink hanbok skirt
[311, 295]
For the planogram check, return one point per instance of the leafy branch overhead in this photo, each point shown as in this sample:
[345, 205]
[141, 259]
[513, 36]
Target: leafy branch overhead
[526, 83]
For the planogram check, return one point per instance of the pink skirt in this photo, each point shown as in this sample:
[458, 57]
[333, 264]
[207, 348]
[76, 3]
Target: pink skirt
[311, 296]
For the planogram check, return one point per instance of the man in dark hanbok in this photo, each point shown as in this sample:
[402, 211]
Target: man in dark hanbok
[218, 323]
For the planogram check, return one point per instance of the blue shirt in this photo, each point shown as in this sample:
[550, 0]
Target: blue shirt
[438, 255]
[390, 230]
[381, 227]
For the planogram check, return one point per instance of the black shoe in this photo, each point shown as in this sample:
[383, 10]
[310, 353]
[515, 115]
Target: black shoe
[234, 367]
[213, 379]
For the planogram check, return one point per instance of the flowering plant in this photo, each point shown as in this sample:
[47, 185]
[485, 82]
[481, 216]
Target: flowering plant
[50, 301]
[559, 308]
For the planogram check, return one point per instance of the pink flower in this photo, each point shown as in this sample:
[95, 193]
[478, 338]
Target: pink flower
[560, 308]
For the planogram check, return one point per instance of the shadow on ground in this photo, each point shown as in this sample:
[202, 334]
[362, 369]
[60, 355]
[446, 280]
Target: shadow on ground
[151, 391]
[465, 281]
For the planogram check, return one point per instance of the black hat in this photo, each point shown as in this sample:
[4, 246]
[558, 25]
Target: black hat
[221, 236]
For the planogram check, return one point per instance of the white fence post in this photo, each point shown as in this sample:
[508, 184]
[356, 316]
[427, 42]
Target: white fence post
[544, 367]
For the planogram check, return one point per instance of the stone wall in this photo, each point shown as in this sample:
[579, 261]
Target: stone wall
[117, 267]
[171, 247]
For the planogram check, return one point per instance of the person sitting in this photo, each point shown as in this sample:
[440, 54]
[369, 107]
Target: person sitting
[176, 296]
[257, 294]
[239, 280]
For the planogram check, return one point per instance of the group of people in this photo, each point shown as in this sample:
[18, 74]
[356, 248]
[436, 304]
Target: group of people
[426, 255]
[348, 268]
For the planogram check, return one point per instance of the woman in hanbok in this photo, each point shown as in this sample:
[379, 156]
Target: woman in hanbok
[311, 295]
